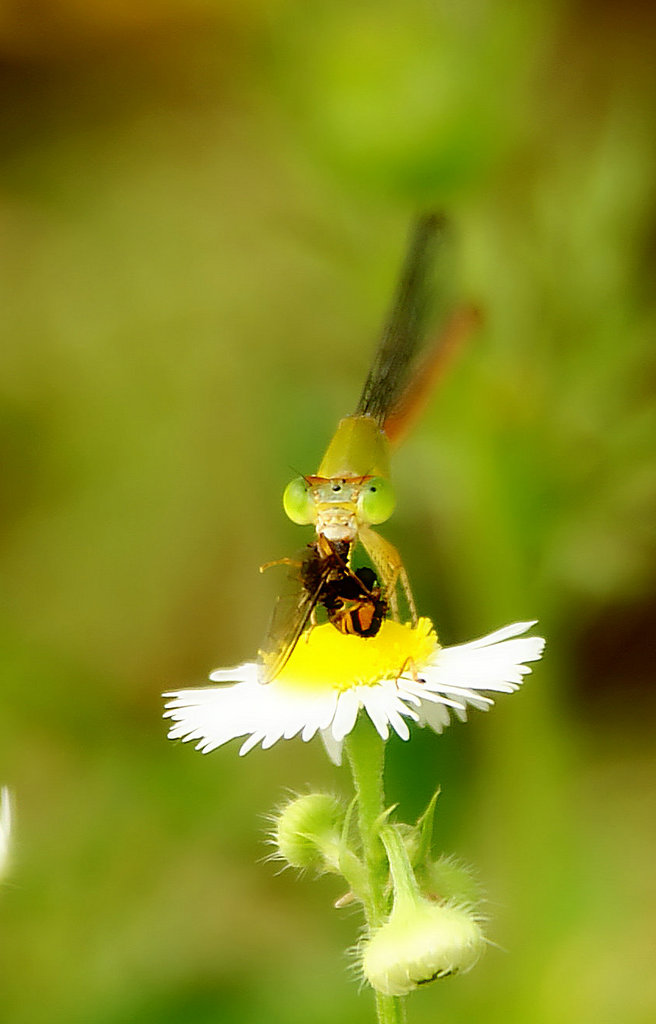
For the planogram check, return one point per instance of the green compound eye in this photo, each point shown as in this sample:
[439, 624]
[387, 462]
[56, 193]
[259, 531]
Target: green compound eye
[377, 500]
[297, 501]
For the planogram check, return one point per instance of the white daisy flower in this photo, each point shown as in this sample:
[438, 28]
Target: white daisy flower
[401, 673]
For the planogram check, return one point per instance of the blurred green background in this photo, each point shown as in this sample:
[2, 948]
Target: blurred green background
[202, 207]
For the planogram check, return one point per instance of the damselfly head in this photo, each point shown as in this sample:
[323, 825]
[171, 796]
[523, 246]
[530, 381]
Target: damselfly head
[330, 504]
[337, 506]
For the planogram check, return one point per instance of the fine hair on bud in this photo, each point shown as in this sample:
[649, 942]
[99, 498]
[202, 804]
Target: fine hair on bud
[447, 879]
[307, 831]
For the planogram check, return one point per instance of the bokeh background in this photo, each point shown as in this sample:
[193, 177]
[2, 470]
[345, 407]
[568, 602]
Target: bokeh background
[202, 208]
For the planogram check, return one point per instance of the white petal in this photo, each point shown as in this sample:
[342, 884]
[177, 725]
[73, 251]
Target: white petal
[398, 710]
[515, 629]
[375, 706]
[252, 741]
[214, 715]
[484, 664]
[386, 706]
[333, 746]
[5, 828]
[434, 715]
[417, 690]
[456, 675]
[322, 715]
[464, 696]
[248, 672]
[348, 705]
[399, 724]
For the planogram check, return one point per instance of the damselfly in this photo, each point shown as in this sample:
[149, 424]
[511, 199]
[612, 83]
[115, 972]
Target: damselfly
[352, 491]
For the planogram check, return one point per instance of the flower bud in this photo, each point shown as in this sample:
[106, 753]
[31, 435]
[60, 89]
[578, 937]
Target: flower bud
[420, 943]
[307, 832]
[421, 940]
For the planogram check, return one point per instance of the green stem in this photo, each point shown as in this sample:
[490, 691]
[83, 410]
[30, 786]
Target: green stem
[366, 754]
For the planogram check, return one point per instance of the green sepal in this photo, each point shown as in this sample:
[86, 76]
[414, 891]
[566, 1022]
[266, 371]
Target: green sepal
[424, 829]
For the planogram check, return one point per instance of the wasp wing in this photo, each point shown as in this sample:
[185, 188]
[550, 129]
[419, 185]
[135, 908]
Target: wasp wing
[291, 614]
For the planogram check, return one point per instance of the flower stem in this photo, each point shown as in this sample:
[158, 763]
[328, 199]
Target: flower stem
[366, 754]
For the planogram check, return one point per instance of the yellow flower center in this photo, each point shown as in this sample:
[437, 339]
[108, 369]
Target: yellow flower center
[325, 658]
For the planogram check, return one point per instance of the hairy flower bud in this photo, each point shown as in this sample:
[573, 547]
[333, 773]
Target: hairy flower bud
[307, 831]
[419, 943]
[422, 939]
